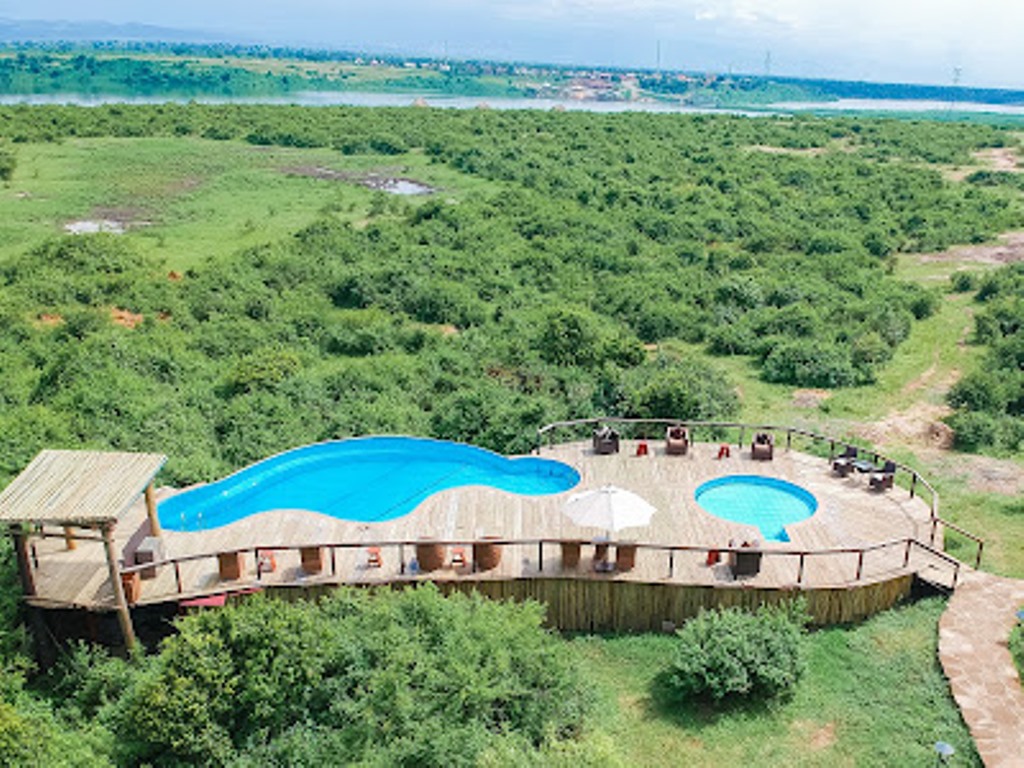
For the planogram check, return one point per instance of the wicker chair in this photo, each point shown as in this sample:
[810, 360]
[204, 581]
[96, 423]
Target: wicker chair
[763, 447]
[883, 478]
[677, 440]
[606, 441]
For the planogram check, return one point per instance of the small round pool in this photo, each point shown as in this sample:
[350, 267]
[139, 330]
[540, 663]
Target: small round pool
[768, 503]
[368, 479]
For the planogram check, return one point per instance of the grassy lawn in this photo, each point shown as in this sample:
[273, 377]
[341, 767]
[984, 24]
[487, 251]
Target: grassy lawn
[873, 695]
[194, 198]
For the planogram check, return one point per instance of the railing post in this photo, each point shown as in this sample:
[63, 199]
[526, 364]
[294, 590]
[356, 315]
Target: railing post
[334, 565]
[956, 574]
[177, 575]
[789, 439]
[977, 560]
[860, 565]
[906, 555]
[256, 559]
[401, 559]
[800, 572]
[913, 483]
[671, 563]
[540, 555]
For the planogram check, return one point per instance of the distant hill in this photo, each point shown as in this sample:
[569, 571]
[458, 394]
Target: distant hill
[18, 30]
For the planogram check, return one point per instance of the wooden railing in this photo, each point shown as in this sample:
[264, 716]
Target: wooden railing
[547, 550]
[915, 482]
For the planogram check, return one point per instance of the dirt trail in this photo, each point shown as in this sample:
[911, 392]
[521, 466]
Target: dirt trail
[1008, 249]
[999, 159]
[921, 426]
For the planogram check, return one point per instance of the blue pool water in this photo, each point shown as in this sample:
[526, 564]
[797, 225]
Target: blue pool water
[366, 479]
[768, 503]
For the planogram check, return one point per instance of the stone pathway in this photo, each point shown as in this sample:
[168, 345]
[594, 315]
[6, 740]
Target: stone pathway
[973, 634]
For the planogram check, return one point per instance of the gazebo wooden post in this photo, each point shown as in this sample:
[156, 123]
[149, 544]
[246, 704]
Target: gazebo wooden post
[154, 521]
[123, 616]
[28, 582]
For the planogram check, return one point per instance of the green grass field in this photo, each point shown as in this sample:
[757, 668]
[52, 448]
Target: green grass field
[186, 199]
[873, 695]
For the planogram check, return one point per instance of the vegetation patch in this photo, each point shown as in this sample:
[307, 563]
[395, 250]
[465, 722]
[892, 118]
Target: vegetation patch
[729, 654]
[397, 678]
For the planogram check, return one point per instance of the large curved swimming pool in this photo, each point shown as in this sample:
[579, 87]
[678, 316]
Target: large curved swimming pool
[765, 502]
[369, 479]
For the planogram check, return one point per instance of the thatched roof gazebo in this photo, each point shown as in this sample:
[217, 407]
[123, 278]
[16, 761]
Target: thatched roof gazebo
[75, 490]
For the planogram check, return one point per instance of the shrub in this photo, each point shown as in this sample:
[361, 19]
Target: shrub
[732, 654]
[410, 677]
[809, 363]
[686, 389]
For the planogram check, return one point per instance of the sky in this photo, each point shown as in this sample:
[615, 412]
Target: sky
[919, 41]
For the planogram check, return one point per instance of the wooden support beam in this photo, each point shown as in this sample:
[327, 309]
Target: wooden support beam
[28, 582]
[154, 521]
[124, 617]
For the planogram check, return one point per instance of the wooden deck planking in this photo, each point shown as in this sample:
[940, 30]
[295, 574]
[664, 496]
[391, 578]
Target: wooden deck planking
[849, 515]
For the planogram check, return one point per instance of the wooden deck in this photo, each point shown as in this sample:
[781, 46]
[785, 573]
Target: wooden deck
[849, 516]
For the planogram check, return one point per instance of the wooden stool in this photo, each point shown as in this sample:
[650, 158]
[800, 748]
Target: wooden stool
[373, 557]
[458, 557]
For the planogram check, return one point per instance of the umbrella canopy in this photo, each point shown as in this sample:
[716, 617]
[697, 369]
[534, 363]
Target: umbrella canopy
[608, 507]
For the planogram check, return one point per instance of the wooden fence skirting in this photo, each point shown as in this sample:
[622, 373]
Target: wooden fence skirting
[579, 605]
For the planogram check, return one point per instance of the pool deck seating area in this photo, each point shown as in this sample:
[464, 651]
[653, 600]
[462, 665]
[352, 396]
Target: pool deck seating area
[482, 538]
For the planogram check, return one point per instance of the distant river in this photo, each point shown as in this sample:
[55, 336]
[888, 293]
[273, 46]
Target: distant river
[368, 99]
[899, 105]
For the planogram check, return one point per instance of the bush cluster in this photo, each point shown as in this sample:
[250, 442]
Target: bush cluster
[392, 678]
[989, 401]
[730, 654]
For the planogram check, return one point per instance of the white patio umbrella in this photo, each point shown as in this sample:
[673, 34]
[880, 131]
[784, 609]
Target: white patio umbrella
[608, 507]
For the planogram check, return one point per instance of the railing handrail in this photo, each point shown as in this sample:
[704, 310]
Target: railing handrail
[533, 541]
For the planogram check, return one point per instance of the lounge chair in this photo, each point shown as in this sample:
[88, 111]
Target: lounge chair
[881, 479]
[677, 440]
[842, 465]
[747, 560]
[763, 447]
[606, 441]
